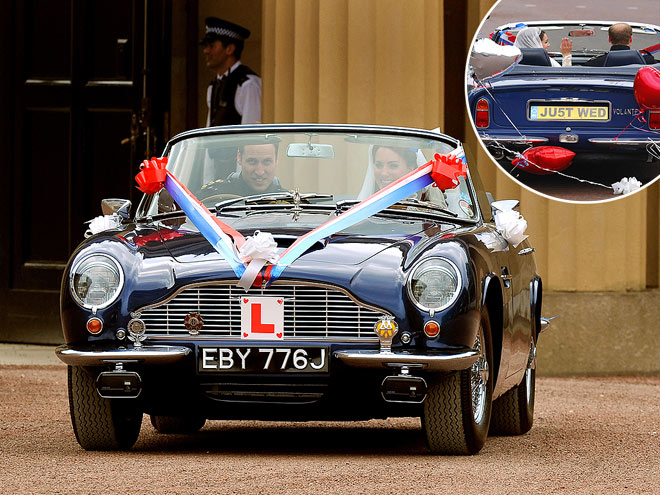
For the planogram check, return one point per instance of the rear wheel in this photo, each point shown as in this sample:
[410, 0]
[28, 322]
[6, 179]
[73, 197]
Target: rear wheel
[513, 413]
[177, 424]
[98, 423]
[457, 408]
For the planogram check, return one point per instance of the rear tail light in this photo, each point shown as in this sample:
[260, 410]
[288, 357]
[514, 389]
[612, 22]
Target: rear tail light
[482, 117]
[654, 119]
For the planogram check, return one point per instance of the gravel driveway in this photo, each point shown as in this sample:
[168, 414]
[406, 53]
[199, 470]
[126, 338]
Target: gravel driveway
[591, 435]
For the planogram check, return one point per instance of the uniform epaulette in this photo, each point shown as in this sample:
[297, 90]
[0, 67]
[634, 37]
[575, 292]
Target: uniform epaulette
[219, 181]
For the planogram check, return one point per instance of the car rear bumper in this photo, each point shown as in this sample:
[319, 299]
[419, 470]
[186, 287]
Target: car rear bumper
[513, 140]
[571, 141]
[620, 143]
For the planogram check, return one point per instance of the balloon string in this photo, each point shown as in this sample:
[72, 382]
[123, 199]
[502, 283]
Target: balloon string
[485, 86]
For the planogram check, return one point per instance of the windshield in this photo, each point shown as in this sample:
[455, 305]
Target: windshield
[304, 169]
[586, 38]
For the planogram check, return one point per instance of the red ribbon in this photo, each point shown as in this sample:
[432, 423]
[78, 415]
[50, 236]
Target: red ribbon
[446, 171]
[152, 176]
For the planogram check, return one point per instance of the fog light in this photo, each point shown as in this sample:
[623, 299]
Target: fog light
[94, 325]
[431, 329]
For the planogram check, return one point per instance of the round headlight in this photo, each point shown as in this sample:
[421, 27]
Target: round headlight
[434, 284]
[96, 281]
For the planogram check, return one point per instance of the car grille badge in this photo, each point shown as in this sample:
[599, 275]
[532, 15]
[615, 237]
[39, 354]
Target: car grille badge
[193, 323]
[136, 330]
[386, 328]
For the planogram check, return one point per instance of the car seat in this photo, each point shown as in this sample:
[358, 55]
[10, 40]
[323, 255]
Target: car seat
[623, 57]
[535, 56]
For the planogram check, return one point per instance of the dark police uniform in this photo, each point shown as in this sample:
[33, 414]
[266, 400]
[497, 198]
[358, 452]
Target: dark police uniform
[235, 184]
[222, 105]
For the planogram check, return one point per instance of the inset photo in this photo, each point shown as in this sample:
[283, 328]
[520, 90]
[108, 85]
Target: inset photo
[566, 105]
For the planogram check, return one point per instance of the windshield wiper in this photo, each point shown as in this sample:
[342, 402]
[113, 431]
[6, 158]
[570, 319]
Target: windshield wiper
[404, 202]
[426, 204]
[266, 197]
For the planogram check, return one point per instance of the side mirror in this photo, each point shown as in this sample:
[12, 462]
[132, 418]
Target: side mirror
[121, 207]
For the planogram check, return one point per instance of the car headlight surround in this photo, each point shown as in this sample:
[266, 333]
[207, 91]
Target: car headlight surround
[96, 281]
[434, 284]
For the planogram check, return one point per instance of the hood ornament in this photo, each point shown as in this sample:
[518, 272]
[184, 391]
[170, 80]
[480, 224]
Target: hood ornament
[296, 204]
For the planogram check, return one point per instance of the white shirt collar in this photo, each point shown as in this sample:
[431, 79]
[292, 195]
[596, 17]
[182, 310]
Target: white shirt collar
[231, 69]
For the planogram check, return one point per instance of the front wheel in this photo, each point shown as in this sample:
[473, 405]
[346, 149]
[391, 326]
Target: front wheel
[458, 405]
[98, 423]
[513, 413]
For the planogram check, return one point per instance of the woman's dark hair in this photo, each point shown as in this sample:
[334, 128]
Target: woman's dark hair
[541, 35]
[409, 155]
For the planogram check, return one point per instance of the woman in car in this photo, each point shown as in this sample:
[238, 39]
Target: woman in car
[535, 37]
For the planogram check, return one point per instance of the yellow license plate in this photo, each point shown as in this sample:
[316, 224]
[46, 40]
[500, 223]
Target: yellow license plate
[569, 112]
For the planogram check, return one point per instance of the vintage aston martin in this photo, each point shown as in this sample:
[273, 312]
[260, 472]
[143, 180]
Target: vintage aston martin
[370, 291]
[581, 108]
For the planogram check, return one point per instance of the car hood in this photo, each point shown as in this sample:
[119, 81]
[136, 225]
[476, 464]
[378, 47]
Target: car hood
[350, 247]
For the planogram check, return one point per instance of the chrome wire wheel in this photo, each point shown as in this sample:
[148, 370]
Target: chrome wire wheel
[479, 374]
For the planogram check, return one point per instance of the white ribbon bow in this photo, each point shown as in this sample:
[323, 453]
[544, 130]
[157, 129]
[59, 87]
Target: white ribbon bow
[626, 185]
[510, 224]
[257, 250]
[101, 223]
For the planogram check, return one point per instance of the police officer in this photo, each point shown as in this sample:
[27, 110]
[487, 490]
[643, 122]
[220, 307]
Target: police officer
[234, 95]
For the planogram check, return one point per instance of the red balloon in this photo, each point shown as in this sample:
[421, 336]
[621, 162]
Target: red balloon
[647, 88]
[549, 159]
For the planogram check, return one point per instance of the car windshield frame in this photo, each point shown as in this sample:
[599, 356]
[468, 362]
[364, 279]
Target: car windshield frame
[146, 206]
[552, 28]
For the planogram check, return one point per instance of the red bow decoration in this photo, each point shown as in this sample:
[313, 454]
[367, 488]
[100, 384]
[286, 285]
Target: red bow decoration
[152, 176]
[446, 171]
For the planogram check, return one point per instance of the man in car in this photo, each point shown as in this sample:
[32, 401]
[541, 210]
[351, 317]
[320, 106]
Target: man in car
[258, 164]
[620, 37]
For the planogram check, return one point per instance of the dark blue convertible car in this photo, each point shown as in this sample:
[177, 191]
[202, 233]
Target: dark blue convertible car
[421, 308]
[581, 108]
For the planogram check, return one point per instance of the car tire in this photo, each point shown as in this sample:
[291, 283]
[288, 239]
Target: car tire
[177, 424]
[458, 405]
[98, 423]
[513, 413]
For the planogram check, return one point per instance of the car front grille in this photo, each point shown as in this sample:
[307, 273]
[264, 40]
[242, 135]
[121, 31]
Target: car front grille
[311, 312]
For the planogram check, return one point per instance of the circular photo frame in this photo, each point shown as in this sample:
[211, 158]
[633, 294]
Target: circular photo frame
[569, 108]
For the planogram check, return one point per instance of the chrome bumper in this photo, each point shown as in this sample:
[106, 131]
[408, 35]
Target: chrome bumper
[156, 354]
[426, 362]
[628, 143]
[488, 139]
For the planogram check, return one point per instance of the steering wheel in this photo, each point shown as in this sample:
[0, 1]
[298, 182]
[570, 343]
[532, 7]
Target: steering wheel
[216, 198]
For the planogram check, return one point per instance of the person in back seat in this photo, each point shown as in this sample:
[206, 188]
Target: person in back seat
[534, 37]
[620, 37]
